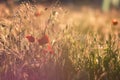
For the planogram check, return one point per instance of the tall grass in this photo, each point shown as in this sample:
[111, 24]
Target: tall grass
[34, 46]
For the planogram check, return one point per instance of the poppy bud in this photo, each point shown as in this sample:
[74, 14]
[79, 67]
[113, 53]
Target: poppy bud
[114, 22]
[37, 14]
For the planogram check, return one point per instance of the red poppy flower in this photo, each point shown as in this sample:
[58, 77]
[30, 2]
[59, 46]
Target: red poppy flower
[43, 40]
[114, 22]
[37, 14]
[30, 38]
[49, 48]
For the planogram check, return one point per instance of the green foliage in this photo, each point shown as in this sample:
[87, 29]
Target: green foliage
[99, 58]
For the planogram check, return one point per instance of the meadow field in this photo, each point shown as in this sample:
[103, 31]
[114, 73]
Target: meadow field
[56, 42]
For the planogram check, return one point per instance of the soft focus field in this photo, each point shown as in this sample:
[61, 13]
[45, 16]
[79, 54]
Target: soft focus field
[42, 42]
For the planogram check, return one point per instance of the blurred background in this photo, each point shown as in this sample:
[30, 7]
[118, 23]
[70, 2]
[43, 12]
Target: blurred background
[105, 5]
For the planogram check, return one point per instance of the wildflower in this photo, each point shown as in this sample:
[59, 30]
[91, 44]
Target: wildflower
[37, 14]
[43, 40]
[49, 48]
[30, 38]
[114, 22]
